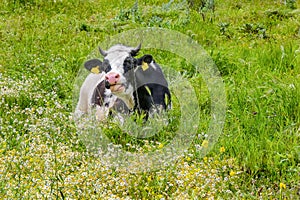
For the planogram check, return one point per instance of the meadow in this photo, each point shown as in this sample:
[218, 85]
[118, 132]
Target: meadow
[256, 48]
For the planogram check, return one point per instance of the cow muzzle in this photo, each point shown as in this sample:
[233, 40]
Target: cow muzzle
[112, 78]
[112, 82]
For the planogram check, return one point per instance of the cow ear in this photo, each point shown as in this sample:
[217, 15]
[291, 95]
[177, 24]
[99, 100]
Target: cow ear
[147, 59]
[94, 66]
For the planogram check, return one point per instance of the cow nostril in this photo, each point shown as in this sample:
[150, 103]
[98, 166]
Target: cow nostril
[117, 76]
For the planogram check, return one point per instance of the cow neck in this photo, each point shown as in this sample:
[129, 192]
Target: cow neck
[130, 103]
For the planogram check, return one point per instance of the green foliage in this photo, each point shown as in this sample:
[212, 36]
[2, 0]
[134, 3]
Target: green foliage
[204, 7]
[291, 4]
[255, 45]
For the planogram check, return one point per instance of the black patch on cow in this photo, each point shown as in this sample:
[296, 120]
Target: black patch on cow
[149, 76]
[107, 84]
[145, 101]
[98, 95]
[106, 66]
[129, 64]
[146, 58]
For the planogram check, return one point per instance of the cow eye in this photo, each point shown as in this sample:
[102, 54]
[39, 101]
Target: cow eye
[106, 66]
[129, 64]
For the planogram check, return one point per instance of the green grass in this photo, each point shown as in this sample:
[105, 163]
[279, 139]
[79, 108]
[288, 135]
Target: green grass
[256, 47]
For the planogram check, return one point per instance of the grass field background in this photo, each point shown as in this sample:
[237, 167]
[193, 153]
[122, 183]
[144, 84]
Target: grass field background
[256, 47]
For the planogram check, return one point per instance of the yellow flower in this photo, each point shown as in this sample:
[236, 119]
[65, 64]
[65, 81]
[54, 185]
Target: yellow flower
[205, 143]
[160, 145]
[222, 149]
[31, 160]
[188, 158]
[232, 173]
[282, 186]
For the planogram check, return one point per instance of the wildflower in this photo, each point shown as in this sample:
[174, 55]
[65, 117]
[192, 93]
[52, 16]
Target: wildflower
[198, 147]
[222, 149]
[282, 186]
[205, 143]
[231, 173]
[160, 145]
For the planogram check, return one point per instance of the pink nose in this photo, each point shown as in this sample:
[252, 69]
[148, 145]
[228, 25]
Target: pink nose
[112, 78]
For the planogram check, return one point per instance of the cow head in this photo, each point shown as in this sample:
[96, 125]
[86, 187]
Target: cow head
[119, 64]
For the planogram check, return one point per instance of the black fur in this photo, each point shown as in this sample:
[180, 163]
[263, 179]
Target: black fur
[145, 101]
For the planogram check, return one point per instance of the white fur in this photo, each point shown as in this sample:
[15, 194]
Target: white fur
[86, 91]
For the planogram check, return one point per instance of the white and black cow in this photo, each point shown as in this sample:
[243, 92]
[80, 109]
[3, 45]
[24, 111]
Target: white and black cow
[123, 83]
